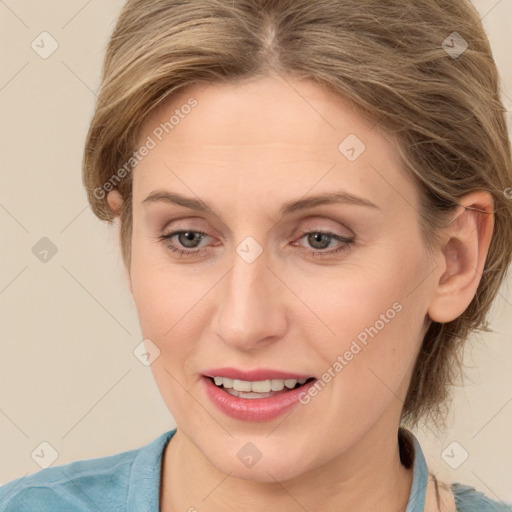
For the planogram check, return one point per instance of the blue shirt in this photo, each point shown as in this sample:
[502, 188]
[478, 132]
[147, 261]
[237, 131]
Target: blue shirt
[130, 482]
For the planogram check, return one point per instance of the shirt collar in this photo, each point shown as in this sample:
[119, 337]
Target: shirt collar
[144, 483]
[417, 496]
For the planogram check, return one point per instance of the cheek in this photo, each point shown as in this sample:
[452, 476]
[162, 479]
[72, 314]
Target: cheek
[371, 320]
[163, 290]
[367, 300]
[170, 301]
[171, 305]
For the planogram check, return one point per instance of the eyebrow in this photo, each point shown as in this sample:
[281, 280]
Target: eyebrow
[287, 208]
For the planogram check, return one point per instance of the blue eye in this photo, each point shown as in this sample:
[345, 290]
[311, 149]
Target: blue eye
[189, 239]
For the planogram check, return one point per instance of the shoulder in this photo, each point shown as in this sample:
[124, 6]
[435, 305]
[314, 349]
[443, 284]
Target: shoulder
[468, 499]
[83, 485]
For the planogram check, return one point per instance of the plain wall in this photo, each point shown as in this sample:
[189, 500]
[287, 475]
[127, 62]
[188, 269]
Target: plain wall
[67, 372]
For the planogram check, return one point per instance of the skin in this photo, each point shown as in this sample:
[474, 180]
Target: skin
[246, 149]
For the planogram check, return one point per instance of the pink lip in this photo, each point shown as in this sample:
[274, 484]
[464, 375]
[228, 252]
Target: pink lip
[253, 375]
[254, 409]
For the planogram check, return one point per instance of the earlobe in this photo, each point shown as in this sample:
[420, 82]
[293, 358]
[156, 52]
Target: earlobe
[115, 201]
[462, 256]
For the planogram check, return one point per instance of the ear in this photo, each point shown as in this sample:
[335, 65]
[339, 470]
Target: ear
[462, 256]
[115, 202]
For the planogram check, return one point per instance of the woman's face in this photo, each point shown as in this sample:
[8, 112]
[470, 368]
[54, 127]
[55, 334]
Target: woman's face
[262, 288]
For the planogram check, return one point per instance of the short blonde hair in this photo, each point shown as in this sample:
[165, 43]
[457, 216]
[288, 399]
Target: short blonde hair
[397, 61]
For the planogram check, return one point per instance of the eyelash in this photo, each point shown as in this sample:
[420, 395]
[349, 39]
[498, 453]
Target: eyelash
[346, 242]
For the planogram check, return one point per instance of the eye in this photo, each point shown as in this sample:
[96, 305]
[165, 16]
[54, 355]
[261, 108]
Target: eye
[188, 242]
[318, 239]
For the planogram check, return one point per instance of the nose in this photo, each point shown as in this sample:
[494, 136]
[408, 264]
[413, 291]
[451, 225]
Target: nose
[252, 312]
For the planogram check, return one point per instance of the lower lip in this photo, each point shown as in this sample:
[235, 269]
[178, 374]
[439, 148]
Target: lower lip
[254, 409]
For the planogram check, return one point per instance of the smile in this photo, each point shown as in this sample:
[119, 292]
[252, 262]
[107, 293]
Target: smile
[255, 400]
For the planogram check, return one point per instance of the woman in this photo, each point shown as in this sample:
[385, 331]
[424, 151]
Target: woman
[311, 196]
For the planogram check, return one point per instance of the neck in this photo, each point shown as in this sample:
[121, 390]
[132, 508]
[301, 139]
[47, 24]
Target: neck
[369, 476]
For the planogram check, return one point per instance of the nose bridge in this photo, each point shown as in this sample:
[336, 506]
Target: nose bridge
[249, 309]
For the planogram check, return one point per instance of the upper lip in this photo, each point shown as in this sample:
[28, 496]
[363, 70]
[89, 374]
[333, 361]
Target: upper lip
[256, 374]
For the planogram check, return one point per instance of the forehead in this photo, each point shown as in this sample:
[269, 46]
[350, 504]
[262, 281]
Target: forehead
[268, 135]
[260, 111]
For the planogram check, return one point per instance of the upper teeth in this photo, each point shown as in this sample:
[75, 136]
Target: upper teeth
[260, 386]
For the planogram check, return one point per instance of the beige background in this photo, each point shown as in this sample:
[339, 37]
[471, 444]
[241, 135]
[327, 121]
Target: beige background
[68, 375]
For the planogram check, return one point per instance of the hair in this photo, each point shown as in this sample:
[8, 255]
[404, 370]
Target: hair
[387, 58]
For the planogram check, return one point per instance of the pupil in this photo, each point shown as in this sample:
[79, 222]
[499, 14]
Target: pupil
[190, 236]
[317, 238]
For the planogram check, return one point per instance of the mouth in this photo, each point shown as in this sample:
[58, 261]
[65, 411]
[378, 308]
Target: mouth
[258, 389]
[275, 393]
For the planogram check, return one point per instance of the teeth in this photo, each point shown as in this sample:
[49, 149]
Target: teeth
[260, 386]
[218, 380]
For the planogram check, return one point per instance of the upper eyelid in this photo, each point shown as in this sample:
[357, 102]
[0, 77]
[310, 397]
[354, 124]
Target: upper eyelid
[334, 236]
[300, 222]
[302, 232]
[343, 219]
